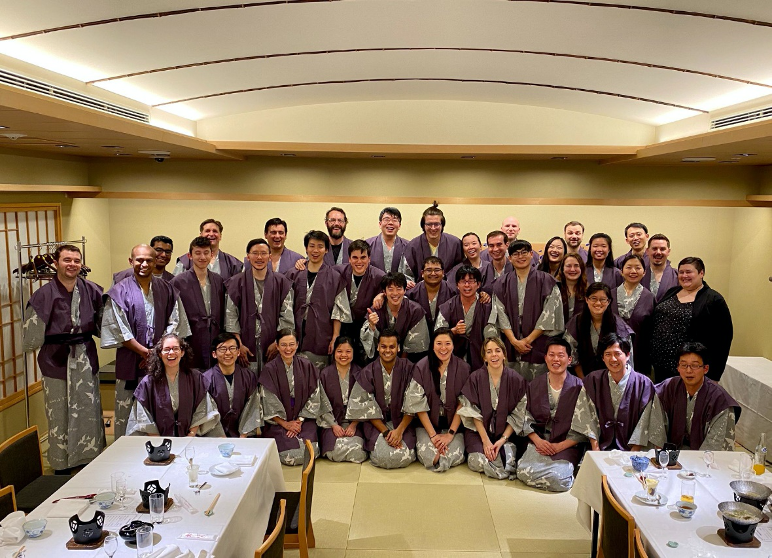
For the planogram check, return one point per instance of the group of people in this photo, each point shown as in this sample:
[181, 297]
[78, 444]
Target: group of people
[435, 349]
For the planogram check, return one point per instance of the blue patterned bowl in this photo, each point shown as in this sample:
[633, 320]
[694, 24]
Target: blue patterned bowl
[640, 463]
[686, 509]
[34, 528]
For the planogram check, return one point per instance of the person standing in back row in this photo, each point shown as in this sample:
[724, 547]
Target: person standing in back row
[225, 265]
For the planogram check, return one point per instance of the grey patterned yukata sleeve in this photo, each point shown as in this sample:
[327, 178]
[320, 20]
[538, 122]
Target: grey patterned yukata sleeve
[417, 339]
[415, 399]
[232, 324]
[361, 405]
[251, 417]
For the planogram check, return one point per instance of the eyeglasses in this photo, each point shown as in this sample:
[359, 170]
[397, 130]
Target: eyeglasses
[433, 225]
[259, 254]
[468, 282]
[596, 300]
[388, 220]
[433, 270]
[224, 350]
[690, 366]
[170, 350]
[520, 253]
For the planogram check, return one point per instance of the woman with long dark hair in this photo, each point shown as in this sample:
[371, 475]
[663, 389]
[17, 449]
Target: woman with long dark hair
[600, 262]
[433, 395]
[573, 285]
[172, 400]
[342, 440]
[585, 330]
[554, 251]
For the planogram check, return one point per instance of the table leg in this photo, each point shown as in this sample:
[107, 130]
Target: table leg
[595, 521]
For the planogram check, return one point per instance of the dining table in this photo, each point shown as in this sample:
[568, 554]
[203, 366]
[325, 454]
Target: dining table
[664, 532]
[236, 527]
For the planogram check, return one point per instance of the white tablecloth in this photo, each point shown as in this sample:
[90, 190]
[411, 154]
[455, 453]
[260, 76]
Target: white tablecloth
[749, 381]
[240, 517]
[659, 525]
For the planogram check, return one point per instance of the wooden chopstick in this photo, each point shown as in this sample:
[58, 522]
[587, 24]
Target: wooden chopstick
[18, 552]
[210, 510]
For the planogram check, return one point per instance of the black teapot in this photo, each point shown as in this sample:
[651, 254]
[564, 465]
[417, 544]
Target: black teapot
[153, 487]
[160, 453]
[89, 531]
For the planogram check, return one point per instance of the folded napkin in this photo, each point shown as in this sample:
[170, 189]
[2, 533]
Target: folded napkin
[171, 551]
[243, 460]
[11, 531]
[225, 468]
[67, 508]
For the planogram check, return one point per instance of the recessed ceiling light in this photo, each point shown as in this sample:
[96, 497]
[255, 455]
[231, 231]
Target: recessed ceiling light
[559, 158]
[467, 156]
[745, 154]
[65, 146]
[288, 155]
[3, 127]
[123, 154]
[697, 159]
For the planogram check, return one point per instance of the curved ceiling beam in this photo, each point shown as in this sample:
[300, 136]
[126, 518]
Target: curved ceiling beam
[405, 49]
[154, 15]
[455, 80]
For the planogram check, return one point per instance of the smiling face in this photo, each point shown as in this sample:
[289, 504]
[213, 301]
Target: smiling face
[572, 270]
[344, 354]
[510, 227]
[276, 236]
[471, 247]
[287, 345]
[258, 256]
[692, 371]
[658, 252]
[163, 252]
[213, 233]
[597, 303]
[389, 225]
[574, 235]
[521, 259]
[387, 350]
[599, 249]
[433, 228]
[336, 224]
[171, 353]
[143, 261]
[636, 238]
[557, 359]
[432, 274]
[633, 271]
[316, 250]
[443, 347]
[497, 248]
[394, 294]
[359, 261]
[689, 278]
[226, 353]
[555, 251]
[201, 257]
[68, 265]
[615, 358]
[468, 286]
[494, 356]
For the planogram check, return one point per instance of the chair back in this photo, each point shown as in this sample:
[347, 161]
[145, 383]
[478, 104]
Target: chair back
[640, 552]
[617, 527]
[273, 546]
[307, 487]
[7, 501]
[21, 461]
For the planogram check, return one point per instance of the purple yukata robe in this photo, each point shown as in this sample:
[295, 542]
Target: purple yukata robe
[458, 373]
[229, 265]
[668, 280]
[204, 327]
[641, 322]
[244, 386]
[154, 396]
[376, 252]
[121, 275]
[468, 346]
[449, 251]
[330, 381]
[419, 295]
[329, 257]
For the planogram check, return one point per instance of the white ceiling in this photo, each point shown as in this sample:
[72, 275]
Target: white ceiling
[644, 34]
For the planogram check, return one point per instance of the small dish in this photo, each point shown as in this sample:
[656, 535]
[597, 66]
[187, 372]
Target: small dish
[129, 531]
[687, 475]
[34, 527]
[223, 469]
[660, 501]
[105, 500]
[226, 450]
[686, 509]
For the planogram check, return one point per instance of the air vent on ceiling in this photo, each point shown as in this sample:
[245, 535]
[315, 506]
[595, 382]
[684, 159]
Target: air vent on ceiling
[28, 84]
[751, 116]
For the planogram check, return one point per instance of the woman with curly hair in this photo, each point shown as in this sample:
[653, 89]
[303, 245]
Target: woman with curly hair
[171, 400]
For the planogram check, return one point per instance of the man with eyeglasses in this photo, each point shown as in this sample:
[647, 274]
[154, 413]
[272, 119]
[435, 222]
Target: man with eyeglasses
[467, 316]
[526, 305]
[233, 388]
[434, 242]
[699, 414]
[164, 246]
[258, 304]
[336, 222]
[225, 265]
[138, 311]
[202, 293]
[432, 291]
[618, 408]
[389, 250]
[636, 236]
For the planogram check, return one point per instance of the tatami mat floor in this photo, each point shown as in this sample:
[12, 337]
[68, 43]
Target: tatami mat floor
[360, 511]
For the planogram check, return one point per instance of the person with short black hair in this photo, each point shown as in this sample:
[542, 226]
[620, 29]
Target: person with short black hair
[202, 294]
[432, 291]
[497, 253]
[635, 305]
[434, 242]
[699, 414]
[225, 265]
[526, 304]
[553, 453]
[691, 311]
[618, 408]
[321, 301]
[377, 401]
[600, 262]
[389, 251]
[636, 236]
[397, 312]
[163, 246]
[282, 258]
[472, 247]
[659, 277]
[62, 318]
[233, 389]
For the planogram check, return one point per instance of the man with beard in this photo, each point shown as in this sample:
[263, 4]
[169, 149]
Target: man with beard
[336, 222]
[137, 311]
[573, 232]
[163, 246]
[636, 236]
[258, 305]
[225, 265]
[282, 259]
[497, 253]
[659, 276]
[389, 250]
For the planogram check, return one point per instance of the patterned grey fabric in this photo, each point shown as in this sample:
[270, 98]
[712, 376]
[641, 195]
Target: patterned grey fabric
[427, 452]
[626, 303]
[499, 468]
[416, 341]
[387, 457]
[206, 417]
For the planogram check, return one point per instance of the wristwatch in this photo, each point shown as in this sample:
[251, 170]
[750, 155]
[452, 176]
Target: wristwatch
[452, 432]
